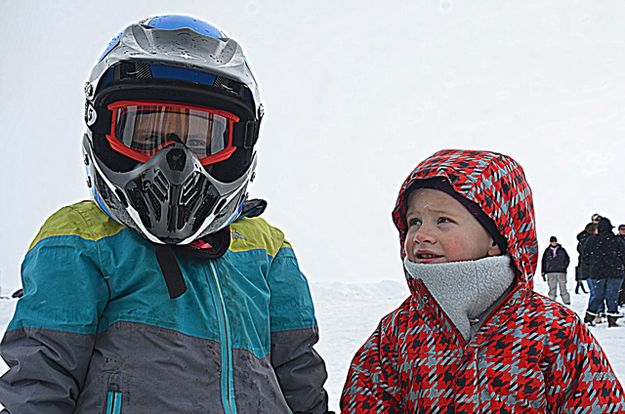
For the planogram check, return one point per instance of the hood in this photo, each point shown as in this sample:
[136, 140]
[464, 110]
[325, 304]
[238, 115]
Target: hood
[605, 226]
[497, 184]
[583, 235]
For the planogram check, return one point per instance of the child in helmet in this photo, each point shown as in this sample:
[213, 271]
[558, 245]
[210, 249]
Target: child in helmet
[167, 293]
[473, 336]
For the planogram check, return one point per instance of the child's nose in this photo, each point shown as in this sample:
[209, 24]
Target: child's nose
[423, 235]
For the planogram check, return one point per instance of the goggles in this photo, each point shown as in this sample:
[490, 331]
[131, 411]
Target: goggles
[139, 129]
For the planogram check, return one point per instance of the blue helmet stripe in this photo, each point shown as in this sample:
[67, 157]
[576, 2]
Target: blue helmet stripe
[177, 22]
[114, 42]
[100, 202]
[190, 75]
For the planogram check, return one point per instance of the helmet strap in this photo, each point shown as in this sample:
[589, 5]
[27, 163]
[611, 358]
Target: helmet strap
[212, 246]
[171, 270]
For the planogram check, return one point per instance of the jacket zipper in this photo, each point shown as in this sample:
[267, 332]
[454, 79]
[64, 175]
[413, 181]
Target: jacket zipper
[227, 392]
[114, 402]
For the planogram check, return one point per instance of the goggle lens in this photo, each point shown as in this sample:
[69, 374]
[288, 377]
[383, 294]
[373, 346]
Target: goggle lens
[140, 129]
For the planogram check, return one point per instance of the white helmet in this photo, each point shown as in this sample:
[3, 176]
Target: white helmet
[173, 114]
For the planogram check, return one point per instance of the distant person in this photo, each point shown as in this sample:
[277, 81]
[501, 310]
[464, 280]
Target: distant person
[621, 296]
[474, 337]
[18, 294]
[579, 281]
[582, 237]
[581, 273]
[604, 256]
[554, 264]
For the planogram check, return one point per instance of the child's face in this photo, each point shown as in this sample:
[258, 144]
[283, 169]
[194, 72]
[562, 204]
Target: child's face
[441, 229]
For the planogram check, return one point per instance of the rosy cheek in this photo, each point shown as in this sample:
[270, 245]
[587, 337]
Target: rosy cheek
[454, 248]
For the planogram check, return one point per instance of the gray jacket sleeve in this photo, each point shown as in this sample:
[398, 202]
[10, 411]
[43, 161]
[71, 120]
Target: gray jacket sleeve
[299, 368]
[49, 342]
[46, 371]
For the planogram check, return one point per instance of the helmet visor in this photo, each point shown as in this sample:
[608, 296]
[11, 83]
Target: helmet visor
[139, 129]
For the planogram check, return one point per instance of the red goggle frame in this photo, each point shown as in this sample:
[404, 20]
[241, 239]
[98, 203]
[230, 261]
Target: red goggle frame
[219, 131]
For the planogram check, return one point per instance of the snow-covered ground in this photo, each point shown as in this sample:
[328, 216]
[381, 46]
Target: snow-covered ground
[347, 314]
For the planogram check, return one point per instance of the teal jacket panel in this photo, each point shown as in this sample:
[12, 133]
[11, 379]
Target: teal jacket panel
[113, 275]
[96, 311]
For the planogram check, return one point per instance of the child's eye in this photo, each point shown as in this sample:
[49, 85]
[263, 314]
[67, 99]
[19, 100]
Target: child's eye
[414, 222]
[444, 220]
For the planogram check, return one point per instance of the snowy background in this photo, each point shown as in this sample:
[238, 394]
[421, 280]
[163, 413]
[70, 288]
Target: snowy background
[349, 312]
[356, 93]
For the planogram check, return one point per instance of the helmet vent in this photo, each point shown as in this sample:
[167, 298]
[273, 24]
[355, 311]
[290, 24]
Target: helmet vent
[139, 203]
[208, 202]
[143, 71]
[223, 83]
[161, 186]
[190, 194]
[191, 187]
[134, 70]
[154, 201]
[188, 209]
[120, 194]
[220, 206]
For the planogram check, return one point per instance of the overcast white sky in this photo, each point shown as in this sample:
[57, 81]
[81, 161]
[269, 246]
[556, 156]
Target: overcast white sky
[356, 94]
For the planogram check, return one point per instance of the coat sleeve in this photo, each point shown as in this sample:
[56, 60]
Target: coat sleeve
[621, 250]
[567, 259]
[543, 262]
[587, 247]
[581, 378]
[372, 384]
[300, 370]
[49, 342]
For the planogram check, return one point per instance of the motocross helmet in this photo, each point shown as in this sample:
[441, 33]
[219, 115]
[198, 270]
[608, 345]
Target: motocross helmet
[173, 114]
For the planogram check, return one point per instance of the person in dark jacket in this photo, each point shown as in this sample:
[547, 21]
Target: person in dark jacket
[621, 295]
[554, 264]
[604, 257]
[580, 273]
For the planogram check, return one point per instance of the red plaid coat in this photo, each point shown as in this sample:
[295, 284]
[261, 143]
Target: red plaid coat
[531, 354]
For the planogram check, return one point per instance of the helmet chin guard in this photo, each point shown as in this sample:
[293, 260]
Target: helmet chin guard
[172, 198]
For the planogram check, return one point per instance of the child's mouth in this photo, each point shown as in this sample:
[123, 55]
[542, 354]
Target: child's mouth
[426, 257]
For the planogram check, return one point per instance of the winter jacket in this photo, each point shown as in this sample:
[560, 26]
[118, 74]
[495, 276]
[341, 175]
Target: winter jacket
[604, 255]
[530, 354]
[581, 273]
[96, 331]
[557, 263]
